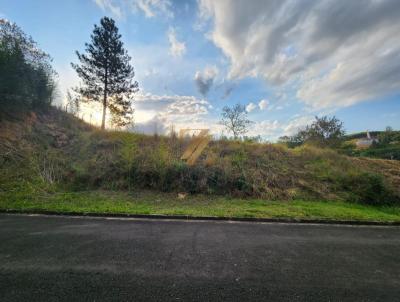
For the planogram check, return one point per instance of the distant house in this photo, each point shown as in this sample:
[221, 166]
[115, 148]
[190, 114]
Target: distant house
[366, 142]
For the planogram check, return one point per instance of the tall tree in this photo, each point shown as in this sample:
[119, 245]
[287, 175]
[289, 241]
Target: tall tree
[235, 120]
[107, 74]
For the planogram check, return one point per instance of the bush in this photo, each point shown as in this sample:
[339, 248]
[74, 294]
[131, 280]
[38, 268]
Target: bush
[367, 188]
[386, 152]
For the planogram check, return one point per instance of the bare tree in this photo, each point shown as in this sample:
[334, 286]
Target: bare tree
[235, 120]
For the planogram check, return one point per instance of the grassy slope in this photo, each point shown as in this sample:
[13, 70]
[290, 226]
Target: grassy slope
[383, 151]
[83, 158]
[364, 134]
[197, 205]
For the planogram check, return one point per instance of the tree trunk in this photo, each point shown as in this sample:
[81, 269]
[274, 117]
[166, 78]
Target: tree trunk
[103, 120]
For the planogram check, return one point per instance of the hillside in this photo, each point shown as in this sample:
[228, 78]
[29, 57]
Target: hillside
[55, 151]
[387, 147]
[363, 134]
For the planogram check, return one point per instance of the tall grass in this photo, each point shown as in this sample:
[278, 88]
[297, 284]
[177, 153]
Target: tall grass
[88, 158]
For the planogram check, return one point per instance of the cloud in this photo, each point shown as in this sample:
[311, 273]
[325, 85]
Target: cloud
[205, 79]
[250, 107]
[157, 113]
[263, 104]
[156, 125]
[162, 111]
[296, 124]
[334, 53]
[273, 129]
[266, 129]
[172, 104]
[110, 5]
[177, 48]
[152, 8]
[227, 92]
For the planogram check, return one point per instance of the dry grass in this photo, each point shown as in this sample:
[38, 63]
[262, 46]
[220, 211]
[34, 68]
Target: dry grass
[85, 157]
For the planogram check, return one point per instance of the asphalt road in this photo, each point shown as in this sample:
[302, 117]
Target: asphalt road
[95, 259]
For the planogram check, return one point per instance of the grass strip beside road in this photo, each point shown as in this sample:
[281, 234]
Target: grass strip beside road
[198, 205]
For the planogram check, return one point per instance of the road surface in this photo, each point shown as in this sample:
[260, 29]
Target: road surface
[46, 258]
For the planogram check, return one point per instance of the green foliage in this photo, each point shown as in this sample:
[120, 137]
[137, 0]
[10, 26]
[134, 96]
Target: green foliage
[323, 132]
[128, 151]
[388, 136]
[367, 188]
[385, 152]
[26, 76]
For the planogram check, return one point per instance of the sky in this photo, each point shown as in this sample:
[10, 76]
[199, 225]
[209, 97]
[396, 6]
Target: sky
[287, 61]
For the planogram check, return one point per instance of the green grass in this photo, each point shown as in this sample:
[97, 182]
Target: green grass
[197, 205]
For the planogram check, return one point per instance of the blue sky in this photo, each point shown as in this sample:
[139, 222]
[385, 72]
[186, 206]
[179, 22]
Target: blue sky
[286, 61]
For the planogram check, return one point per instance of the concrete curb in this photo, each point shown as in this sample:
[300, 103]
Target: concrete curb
[206, 218]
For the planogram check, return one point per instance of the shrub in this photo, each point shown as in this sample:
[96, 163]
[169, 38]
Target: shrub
[367, 188]
[386, 152]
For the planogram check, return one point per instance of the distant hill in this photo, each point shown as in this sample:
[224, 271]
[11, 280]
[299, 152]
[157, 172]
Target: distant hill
[386, 147]
[54, 151]
[361, 135]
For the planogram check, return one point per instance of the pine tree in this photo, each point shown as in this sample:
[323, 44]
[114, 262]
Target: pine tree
[106, 73]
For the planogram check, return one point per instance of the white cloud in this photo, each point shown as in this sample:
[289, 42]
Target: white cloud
[273, 129]
[266, 129]
[250, 107]
[338, 53]
[152, 8]
[156, 114]
[162, 111]
[177, 48]
[263, 104]
[172, 104]
[110, 5]
[205, 79]
[296, 124]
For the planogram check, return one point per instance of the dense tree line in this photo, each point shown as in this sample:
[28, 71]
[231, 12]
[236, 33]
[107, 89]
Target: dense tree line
[26, 76]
